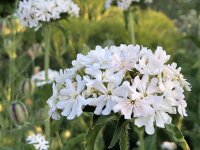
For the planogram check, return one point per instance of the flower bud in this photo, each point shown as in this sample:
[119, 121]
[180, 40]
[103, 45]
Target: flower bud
[18, 113]
[27, 87]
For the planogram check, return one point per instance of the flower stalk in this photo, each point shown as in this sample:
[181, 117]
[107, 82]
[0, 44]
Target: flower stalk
[141, 138]
[131, 25]
[47, 39]
[11, 78]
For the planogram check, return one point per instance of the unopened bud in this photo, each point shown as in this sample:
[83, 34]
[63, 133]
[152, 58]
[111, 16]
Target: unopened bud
[27, 87]
[18, 113]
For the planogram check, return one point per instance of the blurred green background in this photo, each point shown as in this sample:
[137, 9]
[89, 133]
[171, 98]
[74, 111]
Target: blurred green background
[173, 24]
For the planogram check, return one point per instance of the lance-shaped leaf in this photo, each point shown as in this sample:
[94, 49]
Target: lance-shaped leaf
[177, 136]
[72, 142]
[124, 139]
[99, 122]
[106, 119]
[117, 132]
[91, 136]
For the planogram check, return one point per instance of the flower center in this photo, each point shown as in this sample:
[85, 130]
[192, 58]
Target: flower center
[74, 96]
[145, 94]
[131, 101]
[109, 93]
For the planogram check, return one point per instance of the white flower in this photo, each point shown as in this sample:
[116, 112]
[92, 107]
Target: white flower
[172, 72]
[142, 102]
[125, 57]
[152, 63]
[125, 4]
[26, 14]
[161, 55]
[44, 10]
[98, 59]
[38, 141]
[39, 78]
[68, 73]
[168, 145]
[74, 10]
[32, 13]
[107, 96]
[174, 95]
[108, 3]
[160, 116]
[146, 121]
[125, 106]
[52, 101]
[137, 98]
[131, 80]
[71, 100]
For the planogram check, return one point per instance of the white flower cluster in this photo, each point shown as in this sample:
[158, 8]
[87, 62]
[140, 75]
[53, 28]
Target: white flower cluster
[39, 78]
[32, 13]
[128, 79]
[123, 4]
[38, 141]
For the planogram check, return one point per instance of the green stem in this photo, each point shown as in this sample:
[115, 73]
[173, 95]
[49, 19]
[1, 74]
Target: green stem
[11, 78]
[47, 39]
[141, 139]
[59, 140]
[199, 25]
[83, 123]
[131, 26]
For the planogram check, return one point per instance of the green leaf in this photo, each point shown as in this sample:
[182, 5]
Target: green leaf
[106, 119]
[117, 132]
[95, 119]
[194, 39]
[177, 136]
[150, 142]
[124, 139]
[76, 140]
[91, 136]
[5, 148]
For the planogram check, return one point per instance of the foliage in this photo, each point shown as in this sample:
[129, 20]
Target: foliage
[155, 28]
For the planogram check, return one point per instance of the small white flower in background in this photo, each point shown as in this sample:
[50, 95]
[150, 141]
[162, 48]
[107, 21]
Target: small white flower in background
[108, 3]
[32, 13]
[123, 4]
[38, 141]
[168, 145]
[127, 79]
[39, 78]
